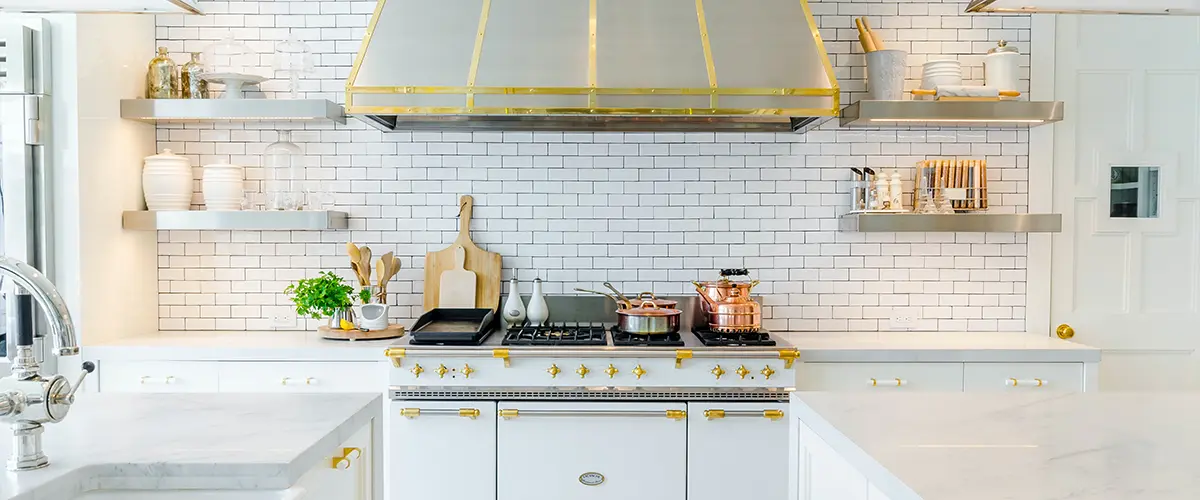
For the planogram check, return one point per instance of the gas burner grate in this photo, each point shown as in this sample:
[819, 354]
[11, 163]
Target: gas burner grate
[557, 334]
[623, 339]
[720, 339]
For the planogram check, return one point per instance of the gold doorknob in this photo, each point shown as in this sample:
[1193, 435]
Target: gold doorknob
[582, 371]
[718, 371]
[467, 371]
[417, 371]
[1065, 331]
[611, 371]
[767, 372]
[553, 371]
[441, 371]
[742, 372]
[638, 371]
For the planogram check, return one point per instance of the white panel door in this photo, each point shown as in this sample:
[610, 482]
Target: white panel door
[822, 474]
[732, 440]
[441, 450]
[592, 451]
[1126, 268]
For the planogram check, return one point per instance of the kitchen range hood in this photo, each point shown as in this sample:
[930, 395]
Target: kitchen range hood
[133, 6]
[616, 65]
[1150, 7]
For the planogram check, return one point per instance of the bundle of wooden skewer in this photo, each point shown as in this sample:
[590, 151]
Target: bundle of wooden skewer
[962, 183]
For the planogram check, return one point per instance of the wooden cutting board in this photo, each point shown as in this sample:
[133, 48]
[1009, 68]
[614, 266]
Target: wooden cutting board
[457, 289]
[486, 265]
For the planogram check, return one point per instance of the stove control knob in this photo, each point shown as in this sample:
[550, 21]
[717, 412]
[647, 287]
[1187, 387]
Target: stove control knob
[553, 371]
[417, 371]
[582, 371]
[611, 371]
[742, 372]
[638, 371]
[718, 371]
[467, 371]
[767, 372]
[441, 371]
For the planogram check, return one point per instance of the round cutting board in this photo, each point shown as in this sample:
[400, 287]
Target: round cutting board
[391, 332]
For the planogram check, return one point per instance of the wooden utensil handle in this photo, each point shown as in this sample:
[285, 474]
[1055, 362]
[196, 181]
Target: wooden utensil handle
[465, 206]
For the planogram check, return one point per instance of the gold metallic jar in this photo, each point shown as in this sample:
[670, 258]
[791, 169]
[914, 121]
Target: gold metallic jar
[191, 81]
[162, 77]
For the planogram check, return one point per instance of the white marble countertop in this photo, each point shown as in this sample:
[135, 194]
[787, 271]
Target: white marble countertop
[189, 441]
[237, 346]
[1035, 446]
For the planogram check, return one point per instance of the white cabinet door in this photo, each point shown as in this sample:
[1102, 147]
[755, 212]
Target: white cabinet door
[443, 450]
[344, 473]
[290, 376]
[873, 493]
[591, 451]
[157, 376]
[1023, 376]
[825, 475]
[737, 440]
[880, 377]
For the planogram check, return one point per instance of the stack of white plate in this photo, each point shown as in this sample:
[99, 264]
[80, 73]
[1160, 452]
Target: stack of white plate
[941, 72]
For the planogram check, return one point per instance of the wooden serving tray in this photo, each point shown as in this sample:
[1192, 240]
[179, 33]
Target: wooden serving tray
[391, 332]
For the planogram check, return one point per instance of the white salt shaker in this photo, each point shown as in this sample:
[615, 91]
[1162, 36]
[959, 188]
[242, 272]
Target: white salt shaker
[538, 311]
[1002, 66]
[514, 308]
[896, 191]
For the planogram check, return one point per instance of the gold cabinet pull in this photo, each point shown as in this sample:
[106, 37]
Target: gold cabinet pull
[883, 382]
[717, 372]
[343, 462]
[582, 371]
[470, 413]
[767, 372]
[1037, 382]
[681, 355]
[553, 370]
[467, 370]
[638, 371]
[714, 414]
[1065, 332]
[717, 414]
[441, 371]
[417, 371]
[742, 372]
[772, 414]
[611, 371]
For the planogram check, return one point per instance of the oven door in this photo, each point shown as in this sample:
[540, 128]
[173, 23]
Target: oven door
[591, 451]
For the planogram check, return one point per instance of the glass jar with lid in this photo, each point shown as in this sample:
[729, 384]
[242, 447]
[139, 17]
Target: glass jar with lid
[293, 58]
[284, 164]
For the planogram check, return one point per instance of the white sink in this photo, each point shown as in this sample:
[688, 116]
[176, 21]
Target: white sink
[291, 494]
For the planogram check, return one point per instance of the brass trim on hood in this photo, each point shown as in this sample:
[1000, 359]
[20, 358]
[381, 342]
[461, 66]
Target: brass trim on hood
[660, 118]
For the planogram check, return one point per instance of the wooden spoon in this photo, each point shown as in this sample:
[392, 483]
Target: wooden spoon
[355, 258]
[365, 264]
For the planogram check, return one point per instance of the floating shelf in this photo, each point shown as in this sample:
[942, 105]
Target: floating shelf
[234, 220]
[231, 109]
[996, 114]
[957, 223]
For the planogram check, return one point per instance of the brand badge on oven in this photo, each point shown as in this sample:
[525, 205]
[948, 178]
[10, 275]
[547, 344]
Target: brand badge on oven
[591, 478]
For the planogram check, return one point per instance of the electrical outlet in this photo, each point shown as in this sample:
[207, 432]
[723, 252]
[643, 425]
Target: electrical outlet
[283, 321]
[905, 318]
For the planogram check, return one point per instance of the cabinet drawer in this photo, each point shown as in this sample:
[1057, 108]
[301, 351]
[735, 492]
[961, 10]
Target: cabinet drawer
[158, 376]
[880, 377]
[737, 440]
[1024, 376]
[286, 376]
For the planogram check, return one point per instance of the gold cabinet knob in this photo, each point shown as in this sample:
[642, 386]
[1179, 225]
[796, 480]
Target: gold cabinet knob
[441, 371]
[638, 371]
[467, 371]
[582, 371]
[553, 371]
[611, 371]
[1065, 331]
[717, 372]
[767, 372]
[742, 372]
[417, 371]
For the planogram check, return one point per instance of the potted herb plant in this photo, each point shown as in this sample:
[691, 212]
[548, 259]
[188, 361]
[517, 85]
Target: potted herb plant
[326, 296]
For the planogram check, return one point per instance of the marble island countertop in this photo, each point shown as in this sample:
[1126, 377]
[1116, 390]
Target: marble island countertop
[189, 441]
[1037, 446]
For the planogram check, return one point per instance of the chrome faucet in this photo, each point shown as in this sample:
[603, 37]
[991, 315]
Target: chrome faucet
[28, 399]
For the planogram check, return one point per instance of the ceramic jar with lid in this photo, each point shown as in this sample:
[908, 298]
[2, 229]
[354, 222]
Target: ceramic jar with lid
[223, 188]
[1002, 67]
[167, 181]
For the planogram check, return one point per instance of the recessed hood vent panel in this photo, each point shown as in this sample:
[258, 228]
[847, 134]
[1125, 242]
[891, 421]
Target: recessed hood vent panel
[631, 65]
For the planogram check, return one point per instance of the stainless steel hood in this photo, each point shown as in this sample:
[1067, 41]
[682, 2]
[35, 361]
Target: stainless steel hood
[616, 65]
[131, 6]
[1148, 7]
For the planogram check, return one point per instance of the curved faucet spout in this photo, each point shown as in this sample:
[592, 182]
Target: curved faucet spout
[48, 299]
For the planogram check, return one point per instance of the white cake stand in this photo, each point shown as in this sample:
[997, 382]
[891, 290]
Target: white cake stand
[233, 82]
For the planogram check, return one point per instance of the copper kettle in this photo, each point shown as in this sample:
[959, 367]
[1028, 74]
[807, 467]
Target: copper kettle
[728, 304]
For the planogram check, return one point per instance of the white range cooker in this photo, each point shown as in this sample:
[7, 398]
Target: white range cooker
[580, 411]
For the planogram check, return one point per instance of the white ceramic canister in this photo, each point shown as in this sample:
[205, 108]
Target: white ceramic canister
[1002, 67]
[223, 188]
[167, 181]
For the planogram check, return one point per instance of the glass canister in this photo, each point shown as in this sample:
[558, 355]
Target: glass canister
[284, 163]
[162, 80]
[191, 79]
[229, 56]
[293, 58]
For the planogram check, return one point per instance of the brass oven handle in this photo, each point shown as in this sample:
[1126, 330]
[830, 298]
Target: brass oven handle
[470, 413]
[715, 414]
[1037, 382]
[509, 413]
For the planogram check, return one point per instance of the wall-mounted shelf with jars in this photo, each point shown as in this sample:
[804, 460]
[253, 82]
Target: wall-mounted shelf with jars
[957, 223]
[247, 220]
[154, 110]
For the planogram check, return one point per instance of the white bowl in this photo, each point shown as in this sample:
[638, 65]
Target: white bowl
[932, 81]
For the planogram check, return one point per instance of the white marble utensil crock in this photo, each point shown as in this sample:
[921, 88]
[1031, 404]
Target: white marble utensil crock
[885, 74]
[167, 181]
[223, 188]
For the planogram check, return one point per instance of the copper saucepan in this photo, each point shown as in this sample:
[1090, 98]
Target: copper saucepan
[646, 319]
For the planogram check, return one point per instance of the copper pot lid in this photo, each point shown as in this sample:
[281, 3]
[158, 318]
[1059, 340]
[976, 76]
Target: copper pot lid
[650, 309]
[642, 299]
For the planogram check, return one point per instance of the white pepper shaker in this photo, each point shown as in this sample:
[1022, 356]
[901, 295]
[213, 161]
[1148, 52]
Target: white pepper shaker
[896, 190]
[538, 311]
[514, 308]
[1002, 67]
